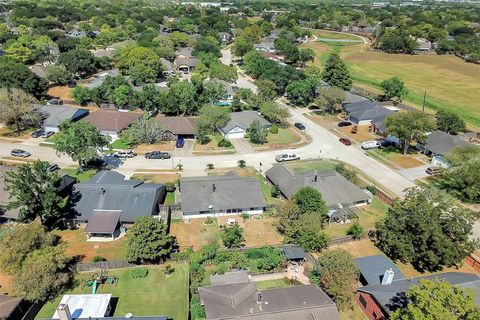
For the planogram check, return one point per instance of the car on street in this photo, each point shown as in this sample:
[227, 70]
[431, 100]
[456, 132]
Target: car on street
[344, 124]
[433, 170]
[157, 155]
[53, 167]
[180, 143]
[286, 157]
[366, 145]
[124, 154]
[97, 163]
[20, 153]
[345, 141]
[47, 134]
[37, 133]
[300, 126]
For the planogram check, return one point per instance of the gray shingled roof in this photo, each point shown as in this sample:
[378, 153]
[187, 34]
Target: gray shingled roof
[439, 142]
[294, 253]
[108, 190]
[390, 296]
[103, 221]
[372, 268]
[231, 192]
[360, 105]
[190, 62]
[167, 64]
[335, 189]
[237, 301]
[370, 114]
[56, 115]
[8, 304]
[229, 278]
[244, 120]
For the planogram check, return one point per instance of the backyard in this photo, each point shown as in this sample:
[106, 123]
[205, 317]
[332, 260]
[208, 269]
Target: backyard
[169, 295]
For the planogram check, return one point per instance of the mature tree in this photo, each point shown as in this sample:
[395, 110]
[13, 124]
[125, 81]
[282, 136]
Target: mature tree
[330, 99]
[326, 273]
[81, 95]
[80, 140]
[33, 190]
[311, 240]
[273, 112]
[462, 178]
[232, 237]
[214, 117]
[408, 126]
[182, 98]
[207, 44]
[17, 75]
[397, 41]
[148, 98]
[149, 241]
[122, 95]
[58, 75]
[143, 131]
[394, 88]
[427, 229]
[142, 64]
[438, 300]
[179, 39]
[78, 61]
[336, 73]
[308, 199]
[213, 91]
[305, 55]
[16, 107]
[300, 92]
[450, 122]
[166, 48]
[223, 72]
[241, 46]
[267, 89]
[257, 133]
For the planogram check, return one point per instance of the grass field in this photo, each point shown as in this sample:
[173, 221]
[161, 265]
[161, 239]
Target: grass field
[334, 35]
[168, 296]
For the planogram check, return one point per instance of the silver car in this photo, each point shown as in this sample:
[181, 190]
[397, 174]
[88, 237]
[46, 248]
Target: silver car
[286, 157]
[20, 153]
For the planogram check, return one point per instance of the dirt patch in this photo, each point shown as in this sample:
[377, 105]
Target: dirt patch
[157, 178]
[326, 121]
[6, 286]
[222, 220]
[60, 92]
[19, 160]
[163, 146]
[261, 232]
[357, 249]
[77, 245]
[194, 234]
[363, 133]
[243, 172]
[405, 162]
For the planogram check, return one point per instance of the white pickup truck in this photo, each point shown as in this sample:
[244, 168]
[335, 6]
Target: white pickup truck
[370, 145]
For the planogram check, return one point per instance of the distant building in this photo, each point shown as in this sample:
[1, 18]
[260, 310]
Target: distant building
[225, 37]
[186, 65]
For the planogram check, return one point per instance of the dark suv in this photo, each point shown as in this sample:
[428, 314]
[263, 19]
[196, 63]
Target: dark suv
[157, 155]
[97, 163]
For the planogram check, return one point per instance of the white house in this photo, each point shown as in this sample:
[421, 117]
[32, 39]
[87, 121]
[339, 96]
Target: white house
[240, 122]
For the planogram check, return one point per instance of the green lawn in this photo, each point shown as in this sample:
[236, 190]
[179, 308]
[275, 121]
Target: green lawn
[269, 284]
[120, 144]
[335, 35]
[150, 296]
[266, 190]
[170, 198]
[320, 165]
[284, 136]
[368, 215]
[80, 175]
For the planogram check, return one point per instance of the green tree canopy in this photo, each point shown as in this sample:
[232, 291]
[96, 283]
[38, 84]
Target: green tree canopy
[450, 122]
[426, 229]
[394, 88]
[336, 73]
[17, 75]
[142, 64]
[148, 240]
[273, 112]
[330, 99]
[78, 61]
[16, 107]
[257, 133]
[308, 199]
[143, 131]
[232, 237]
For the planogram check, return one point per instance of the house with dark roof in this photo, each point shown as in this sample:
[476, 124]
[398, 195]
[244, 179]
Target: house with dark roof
[372, 269]
[220, 195]
[240, 122]
[100, 77]
[168, 66]
[239, 298]
[111, 122]
[438, 145]
[225, 37]
[54, 116]
[365, 112]
[186, 65]
[107, 200]
[294, 253]
[378, 300]
[184, 52]
[178, 127]
[340, 195]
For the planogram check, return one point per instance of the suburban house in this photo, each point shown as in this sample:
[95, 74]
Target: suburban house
[186, 65]
[220, 195]
[240, 122]
[168, 66]
[108, 200]
[379, 299]
[91, 306]
[372, 269]
[54, 116]
[229, 88]
[13, 308]
[178, 127]
[439, 144]
[75, 33]
[234, 296]
[225, 37]
[365, 112]
[100, 77]
[111, 122]
[268, 42]
[340, 195]
[184, 53]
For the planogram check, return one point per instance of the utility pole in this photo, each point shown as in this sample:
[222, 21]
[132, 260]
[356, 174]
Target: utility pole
[424, 96]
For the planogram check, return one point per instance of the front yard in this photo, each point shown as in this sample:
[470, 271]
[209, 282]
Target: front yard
[395, 158]
[285, 138]
[153, 295]
[307, 165]
[212, 146]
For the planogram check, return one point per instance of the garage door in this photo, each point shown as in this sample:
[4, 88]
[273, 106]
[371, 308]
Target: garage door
[235, 135]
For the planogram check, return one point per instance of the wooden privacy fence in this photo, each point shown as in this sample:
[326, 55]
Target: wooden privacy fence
[94, 266]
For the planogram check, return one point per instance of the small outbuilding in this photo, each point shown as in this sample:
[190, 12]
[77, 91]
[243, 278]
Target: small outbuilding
[294, 253]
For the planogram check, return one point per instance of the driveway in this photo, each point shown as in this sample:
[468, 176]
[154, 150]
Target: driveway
[242, 146]
[413, 174]
[187, 149]
[226, 57]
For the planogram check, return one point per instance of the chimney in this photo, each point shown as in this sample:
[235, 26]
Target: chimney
[213, 187]
[388, 277]
[259, 297]
[64, 312]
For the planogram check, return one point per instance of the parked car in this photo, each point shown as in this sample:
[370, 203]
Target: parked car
[433, 170]
[180, 143]
[124, 154]
[344, 124]
[366, 145]
[97, 163]
[345, 141]
[20, 153]
[47, 134]
[286, 157]
[157, 155]
[53, 167]
[387, 143]
[37, 133]
[300, 126]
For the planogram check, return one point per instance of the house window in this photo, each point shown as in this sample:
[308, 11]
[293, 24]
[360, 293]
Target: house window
[229, 210]
[374, 315]
[362, 301]
[252, 208]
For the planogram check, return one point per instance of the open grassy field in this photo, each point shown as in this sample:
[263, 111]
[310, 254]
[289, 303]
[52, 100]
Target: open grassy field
[168, 295]
[334, 35]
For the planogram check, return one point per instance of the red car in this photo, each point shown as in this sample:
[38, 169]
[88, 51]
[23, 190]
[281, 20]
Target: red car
[345, 141]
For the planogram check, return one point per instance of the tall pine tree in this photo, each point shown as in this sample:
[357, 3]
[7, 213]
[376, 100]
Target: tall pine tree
[336, 73]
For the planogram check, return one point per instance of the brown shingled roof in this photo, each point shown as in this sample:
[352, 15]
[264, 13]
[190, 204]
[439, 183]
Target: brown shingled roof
[179, 125]
[8, 305]
[110, 120]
